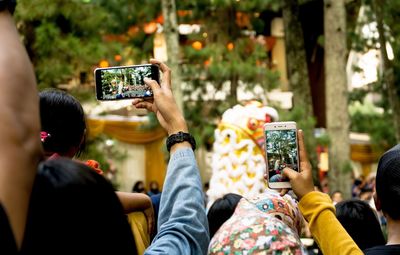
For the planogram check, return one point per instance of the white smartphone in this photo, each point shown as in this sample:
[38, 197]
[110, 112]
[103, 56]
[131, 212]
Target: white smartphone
[281, 150]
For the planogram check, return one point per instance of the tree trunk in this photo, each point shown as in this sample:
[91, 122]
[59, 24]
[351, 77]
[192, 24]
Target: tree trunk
[233, 99]
[172, 38]
[296, 56]
[337, 115]
[298, 73]
[388, 75]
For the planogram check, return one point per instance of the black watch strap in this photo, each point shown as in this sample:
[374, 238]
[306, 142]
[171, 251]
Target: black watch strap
[8, 5]
[180, 137]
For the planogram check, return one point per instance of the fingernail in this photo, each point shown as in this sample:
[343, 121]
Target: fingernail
[146, 79]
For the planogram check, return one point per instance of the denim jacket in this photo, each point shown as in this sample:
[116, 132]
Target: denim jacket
[182, 221]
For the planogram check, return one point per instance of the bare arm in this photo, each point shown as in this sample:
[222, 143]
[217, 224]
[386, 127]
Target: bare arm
[133, 202]
[20, 148]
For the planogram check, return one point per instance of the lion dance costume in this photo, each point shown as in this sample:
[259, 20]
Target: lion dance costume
[238, 161]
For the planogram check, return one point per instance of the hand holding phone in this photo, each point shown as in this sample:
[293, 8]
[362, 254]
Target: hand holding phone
[281, 152]
[125, 82]
[163, 103]
[302, 181]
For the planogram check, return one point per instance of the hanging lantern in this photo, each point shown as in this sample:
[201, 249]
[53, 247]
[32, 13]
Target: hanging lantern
[197, 45]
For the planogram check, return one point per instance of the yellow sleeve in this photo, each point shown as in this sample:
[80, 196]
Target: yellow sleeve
[327, 231]
[138, 223]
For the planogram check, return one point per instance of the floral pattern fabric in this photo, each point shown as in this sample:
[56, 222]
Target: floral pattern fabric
[267, 224]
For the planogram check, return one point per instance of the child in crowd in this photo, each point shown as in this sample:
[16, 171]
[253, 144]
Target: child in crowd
[221, 210]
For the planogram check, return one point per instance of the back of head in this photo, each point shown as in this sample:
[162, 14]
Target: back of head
[75, 210]
[138, 187]
[360, 221]
[388, 182]
[221, 210]
[63, 120]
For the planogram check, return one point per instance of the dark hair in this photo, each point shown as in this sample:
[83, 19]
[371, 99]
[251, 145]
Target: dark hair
[357, 182]
[221, 210]
[135, 187]
[62, 117]
[388, 182]
[73, 209]
[360, 221]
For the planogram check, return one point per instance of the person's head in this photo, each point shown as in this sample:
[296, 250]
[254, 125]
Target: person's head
[73, 208]
[337, 196]
[366, 194]
[221, 210]
[63, 123]
[357, 182]
[138, 187]
[154, 186]
[360, 221]
[387, 197]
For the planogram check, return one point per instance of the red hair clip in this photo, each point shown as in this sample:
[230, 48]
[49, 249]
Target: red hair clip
[43, 136]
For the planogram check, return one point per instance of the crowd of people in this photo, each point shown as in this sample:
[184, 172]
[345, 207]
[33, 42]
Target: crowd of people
[53, 204]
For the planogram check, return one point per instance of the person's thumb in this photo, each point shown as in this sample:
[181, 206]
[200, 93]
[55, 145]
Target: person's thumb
[155, 87]
[290, 173]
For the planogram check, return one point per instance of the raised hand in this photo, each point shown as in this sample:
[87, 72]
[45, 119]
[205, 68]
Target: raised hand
[163, 103]
[302, 182]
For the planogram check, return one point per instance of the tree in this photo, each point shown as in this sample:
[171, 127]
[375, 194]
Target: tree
[60, 42]
[67, 38]
[378, 118]
[388, 72]
[227, 53]
[298, 73]
[295, 52]
[336, 95]
[171, 33]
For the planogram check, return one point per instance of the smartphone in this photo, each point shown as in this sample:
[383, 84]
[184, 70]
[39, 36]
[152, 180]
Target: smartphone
[124, 82]
[281, 147]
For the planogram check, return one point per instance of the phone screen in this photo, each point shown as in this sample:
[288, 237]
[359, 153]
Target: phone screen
[124, 82]
[281, 149]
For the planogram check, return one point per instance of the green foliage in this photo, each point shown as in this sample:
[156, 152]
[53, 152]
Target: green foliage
[63, 38]
[229, 57]
[282, 144]
[375, 117]
[67, 38]
[367, 118]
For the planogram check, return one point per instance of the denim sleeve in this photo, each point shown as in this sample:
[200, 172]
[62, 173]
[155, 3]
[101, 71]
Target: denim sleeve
[182, 223]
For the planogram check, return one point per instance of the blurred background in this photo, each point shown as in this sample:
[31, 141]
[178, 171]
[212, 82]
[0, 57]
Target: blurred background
[331, 66]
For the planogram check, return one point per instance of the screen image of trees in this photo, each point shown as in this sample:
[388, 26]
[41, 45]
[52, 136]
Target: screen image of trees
[125, 82]
[281, 149]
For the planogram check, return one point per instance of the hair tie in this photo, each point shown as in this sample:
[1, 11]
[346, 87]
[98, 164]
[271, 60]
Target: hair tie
[44, 135]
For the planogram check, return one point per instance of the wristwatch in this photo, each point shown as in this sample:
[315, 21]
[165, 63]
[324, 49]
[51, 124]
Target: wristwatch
[180, 137]
[8, 5]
